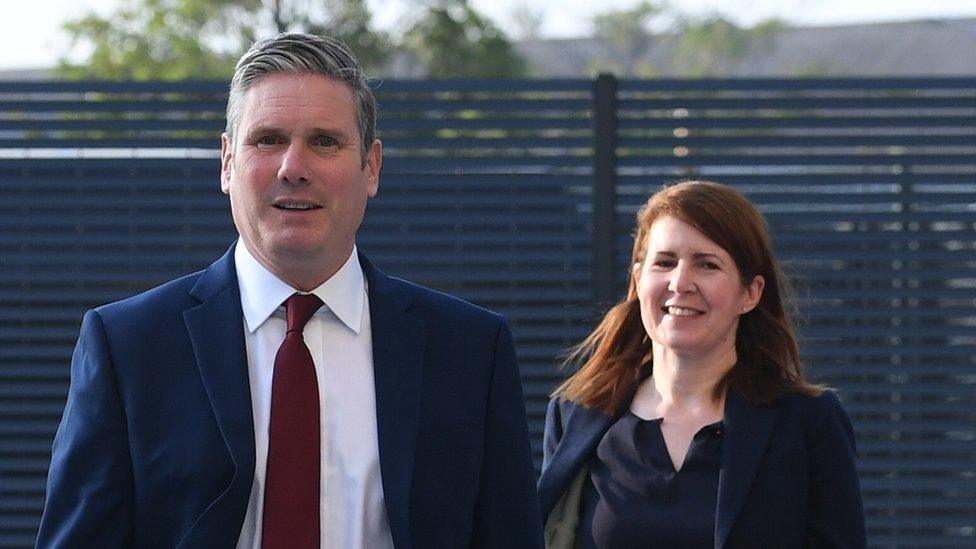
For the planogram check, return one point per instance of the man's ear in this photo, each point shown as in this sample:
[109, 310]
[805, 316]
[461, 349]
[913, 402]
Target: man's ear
[374, 161]
[226, 162]
[753, 293]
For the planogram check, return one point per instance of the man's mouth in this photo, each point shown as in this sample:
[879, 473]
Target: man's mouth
[296, 206]
[681, 311]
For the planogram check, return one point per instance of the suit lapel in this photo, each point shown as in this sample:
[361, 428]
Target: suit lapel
[216, 331]
[747, 431]
[399, 339]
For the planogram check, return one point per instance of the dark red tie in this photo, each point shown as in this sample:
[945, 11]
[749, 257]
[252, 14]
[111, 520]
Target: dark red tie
[291, 489]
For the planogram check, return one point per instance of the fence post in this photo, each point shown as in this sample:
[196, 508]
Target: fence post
[604, 192]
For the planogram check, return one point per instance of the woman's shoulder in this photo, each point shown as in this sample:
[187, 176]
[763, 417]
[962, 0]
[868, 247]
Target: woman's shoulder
[559, 409]
[821, 415]
[826, 403]
[563, 405]
[561, 412]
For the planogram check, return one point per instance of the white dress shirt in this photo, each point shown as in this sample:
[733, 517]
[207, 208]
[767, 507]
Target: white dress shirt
[352, 511]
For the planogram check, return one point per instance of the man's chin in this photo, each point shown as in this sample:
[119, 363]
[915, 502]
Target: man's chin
[296, 251]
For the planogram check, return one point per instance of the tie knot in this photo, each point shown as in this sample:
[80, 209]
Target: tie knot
[299, 308]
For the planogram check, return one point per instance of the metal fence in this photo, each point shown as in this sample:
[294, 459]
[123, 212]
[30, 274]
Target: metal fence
[520, 195]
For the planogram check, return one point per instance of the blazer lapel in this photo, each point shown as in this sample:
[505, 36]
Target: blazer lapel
[582, 430]
[216, 331]
[747, 431]
[399, 339]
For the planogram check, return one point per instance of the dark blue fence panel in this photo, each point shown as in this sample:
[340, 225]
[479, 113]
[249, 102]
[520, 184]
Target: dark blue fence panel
[487, 192]
[869, 187]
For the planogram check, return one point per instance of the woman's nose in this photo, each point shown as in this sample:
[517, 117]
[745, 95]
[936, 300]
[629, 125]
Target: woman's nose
[682, 279]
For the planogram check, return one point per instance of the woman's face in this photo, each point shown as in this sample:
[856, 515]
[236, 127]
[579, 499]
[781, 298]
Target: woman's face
[690, 292]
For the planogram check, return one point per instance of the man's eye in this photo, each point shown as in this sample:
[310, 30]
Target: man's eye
[325, 142]
[665, 263]
[268, 140]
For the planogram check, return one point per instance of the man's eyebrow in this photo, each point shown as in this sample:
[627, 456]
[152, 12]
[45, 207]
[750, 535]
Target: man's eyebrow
[262, 130]
[335, 132]
[275, 130]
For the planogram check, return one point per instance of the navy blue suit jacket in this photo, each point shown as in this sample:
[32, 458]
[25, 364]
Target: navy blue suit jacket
[156, 444]
[787, 478]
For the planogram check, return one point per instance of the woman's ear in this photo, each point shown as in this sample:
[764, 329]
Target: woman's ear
[753, 293]
[635, 271]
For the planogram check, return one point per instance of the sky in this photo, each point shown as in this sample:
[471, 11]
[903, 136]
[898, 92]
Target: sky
[33, 39]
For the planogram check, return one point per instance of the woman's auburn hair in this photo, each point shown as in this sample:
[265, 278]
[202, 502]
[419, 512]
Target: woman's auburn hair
[617, 355]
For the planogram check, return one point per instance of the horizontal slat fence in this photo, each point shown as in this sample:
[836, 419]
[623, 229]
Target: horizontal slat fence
[110, 188]
[483, 195]
[869, 187]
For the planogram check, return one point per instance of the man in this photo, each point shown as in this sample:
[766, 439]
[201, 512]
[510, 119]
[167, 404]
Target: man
[203, 413]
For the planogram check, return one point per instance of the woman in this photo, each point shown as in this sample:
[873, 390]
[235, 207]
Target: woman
[690, 423]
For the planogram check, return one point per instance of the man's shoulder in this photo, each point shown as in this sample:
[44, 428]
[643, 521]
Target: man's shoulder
[178, 294]
[432, 302]
[172, 295]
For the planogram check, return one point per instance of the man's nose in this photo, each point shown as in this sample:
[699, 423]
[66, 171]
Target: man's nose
[682, 279]
[294, 165]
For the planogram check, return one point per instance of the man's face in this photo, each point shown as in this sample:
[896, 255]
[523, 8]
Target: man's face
[295, 175]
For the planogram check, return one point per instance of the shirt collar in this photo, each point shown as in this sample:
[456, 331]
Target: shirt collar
[262, 292]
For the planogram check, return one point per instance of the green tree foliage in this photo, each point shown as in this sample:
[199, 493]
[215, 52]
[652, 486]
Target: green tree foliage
[695, 46]
[708, 46]
[351, 22]
[179, 39]
[451, 39]
[626, 35]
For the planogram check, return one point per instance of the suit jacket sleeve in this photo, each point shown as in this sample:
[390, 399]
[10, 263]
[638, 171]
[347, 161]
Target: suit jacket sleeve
[836, 513]
[507, 510]
[89, 484]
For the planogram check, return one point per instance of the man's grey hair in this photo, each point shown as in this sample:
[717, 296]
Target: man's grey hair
[304, 53]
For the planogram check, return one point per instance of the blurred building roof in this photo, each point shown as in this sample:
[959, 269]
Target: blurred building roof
[26, 74]
[939, 47]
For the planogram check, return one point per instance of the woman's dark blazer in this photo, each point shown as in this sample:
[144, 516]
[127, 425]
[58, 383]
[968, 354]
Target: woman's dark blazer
[787, 478]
